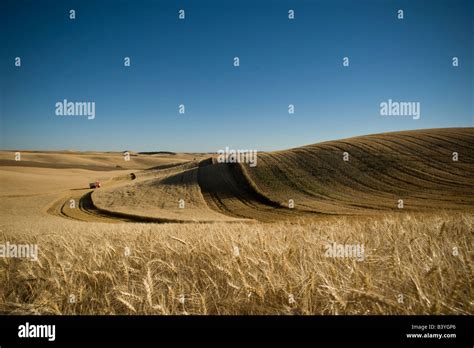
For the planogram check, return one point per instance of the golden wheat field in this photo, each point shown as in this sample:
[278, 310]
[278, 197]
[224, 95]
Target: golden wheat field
[188, 235]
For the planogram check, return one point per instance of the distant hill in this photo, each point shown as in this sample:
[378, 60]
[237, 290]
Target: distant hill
[91, 160]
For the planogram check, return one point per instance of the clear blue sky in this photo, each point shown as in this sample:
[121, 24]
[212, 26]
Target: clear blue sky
[191, 62]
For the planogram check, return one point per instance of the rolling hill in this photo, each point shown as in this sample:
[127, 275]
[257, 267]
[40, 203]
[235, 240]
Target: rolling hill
[398, 171]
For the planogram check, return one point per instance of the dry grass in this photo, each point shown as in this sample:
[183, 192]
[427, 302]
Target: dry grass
[242, 268]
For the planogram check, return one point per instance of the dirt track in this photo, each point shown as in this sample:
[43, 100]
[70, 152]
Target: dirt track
[83, 208]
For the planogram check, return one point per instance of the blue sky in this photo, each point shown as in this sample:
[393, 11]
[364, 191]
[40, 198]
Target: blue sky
[190, 62]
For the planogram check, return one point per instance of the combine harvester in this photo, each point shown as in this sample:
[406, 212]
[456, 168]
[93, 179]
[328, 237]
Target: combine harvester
[94, 185]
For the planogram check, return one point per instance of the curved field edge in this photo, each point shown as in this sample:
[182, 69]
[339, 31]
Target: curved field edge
[89, 212]
[144, 218]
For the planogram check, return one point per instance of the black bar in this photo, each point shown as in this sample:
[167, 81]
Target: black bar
[223, 330]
